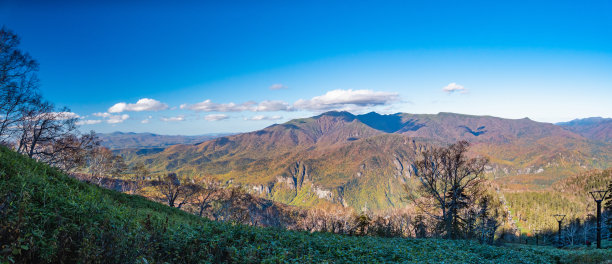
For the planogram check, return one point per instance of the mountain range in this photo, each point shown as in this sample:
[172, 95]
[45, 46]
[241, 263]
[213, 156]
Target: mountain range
[364, 160]
[595, 128]
[125, 140]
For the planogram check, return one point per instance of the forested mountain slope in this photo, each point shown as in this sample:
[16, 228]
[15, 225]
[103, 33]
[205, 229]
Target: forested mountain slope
[595, 128]
[363, 160]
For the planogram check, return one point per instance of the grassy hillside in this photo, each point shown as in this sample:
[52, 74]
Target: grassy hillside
[47, 217]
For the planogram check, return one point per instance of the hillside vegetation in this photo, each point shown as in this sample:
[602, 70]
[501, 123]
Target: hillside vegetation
[364, 160]
[47, 217]
[595, 128]
[534, 209]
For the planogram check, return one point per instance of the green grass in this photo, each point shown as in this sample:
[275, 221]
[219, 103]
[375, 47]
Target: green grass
[47, 217]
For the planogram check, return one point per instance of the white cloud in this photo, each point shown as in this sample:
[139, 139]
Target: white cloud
[454, 87]
[216, 117]
[105, 115]
[65, 115]
[264, 106]
[173, 119]
[209, 106]
[343, 99]
[262, 117]
[277, 86]
[272, 106]
[144, 104]
[115, 119]
[56, 116]
[112, 119]
[88, 122]
[332, 100]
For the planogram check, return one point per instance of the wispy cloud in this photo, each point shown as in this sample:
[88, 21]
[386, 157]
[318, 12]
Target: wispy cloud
[209, 106]
[102, 114]
[144, 104]
[65, 115]
[332, 100]
[272, 106]
[146, 120]
[263, 117]
[88, 122]
[264, 106]
[343, 99]
[173, 119]
[277, 86]
[454, 87]
[55, 116]
[216, 117]
[112, 119]
[58, 115]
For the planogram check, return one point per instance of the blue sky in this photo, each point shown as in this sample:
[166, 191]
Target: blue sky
[206, 67]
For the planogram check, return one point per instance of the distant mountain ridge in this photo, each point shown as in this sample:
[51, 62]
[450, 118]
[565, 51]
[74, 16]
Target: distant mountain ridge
[364, 160]
[595, 128]
[126, 140]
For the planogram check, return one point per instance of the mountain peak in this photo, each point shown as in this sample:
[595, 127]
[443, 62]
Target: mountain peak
[344, 114]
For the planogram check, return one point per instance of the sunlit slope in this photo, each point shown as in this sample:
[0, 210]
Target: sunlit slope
[363, 160]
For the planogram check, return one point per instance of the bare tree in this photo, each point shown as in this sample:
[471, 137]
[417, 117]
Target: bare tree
[234, 206]
[118, 166]
[18, 83]
[189, 190]
[28, 123]
[173, 190]
[449, 183]
[100, 162]
[169, 187]
[206, 195]
[41, 126]
[572, 231]
[71, 151]
[141, 174]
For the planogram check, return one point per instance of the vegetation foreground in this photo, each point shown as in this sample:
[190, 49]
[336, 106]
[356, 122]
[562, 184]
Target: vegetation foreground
[48, 217]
